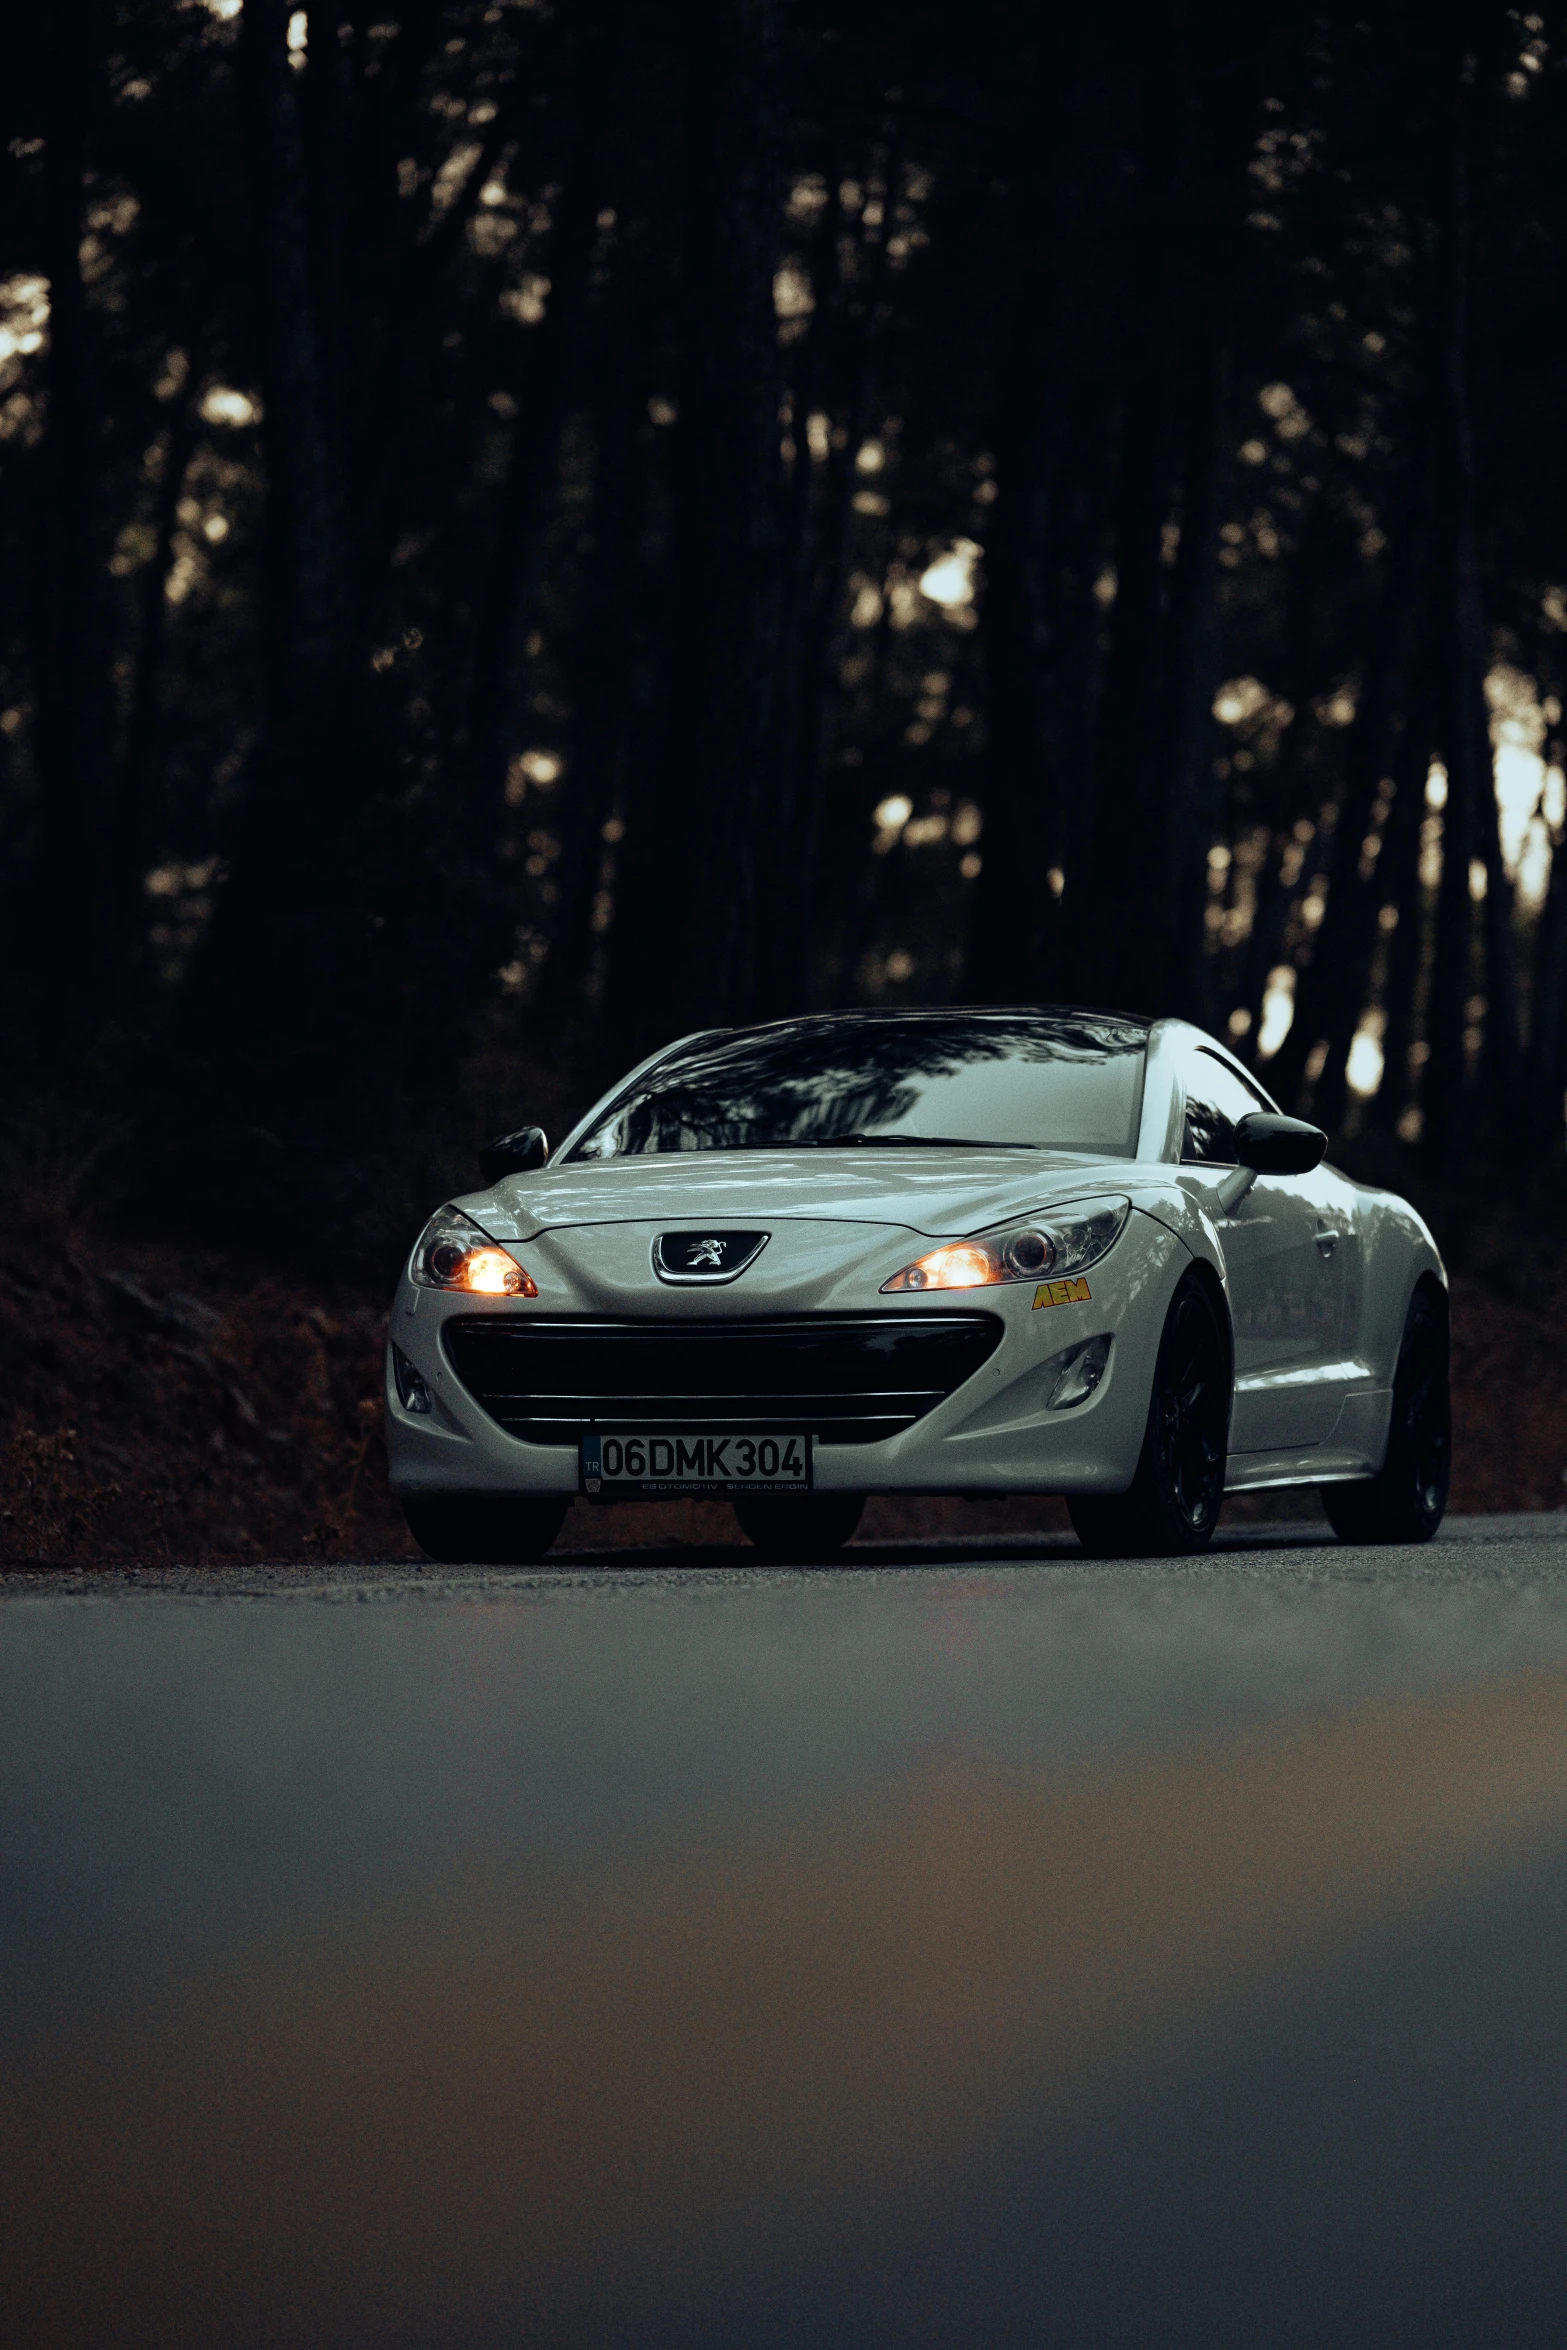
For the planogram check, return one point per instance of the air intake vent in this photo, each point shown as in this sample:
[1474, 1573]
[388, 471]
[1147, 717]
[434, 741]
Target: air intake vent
[845, 1378]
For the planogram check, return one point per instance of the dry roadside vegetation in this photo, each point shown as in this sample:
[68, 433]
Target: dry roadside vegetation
[169, 1404]
[162, 1400]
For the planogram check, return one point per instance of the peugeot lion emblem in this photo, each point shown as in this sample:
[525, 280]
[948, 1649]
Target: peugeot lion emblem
[705, 1256]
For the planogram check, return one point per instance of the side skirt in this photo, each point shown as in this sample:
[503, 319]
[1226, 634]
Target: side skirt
[1355, 1447]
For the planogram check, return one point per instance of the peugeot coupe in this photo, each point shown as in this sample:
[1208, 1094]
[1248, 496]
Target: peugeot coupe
[1033, 1251]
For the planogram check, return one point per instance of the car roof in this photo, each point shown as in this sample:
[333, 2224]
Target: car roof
[891, 1013]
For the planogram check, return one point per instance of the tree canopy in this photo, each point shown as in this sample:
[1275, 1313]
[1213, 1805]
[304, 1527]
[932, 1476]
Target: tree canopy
[597, 522]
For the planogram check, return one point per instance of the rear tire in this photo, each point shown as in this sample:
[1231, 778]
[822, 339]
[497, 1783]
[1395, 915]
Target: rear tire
[1172, 1505]
[1406, 1500]
[800, 1533]
[485, 1530]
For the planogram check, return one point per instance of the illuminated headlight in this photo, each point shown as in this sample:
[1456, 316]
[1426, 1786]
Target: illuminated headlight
[453, 1253]
[1027, 1251]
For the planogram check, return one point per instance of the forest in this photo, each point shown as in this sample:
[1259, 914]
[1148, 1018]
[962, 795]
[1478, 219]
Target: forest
[532, 529]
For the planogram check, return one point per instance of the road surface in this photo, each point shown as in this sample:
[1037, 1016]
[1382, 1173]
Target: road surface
[969, 1945]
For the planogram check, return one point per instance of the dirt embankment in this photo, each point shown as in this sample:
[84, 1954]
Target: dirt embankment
[174, 1403]
[1510, 1382]
[162, 1402]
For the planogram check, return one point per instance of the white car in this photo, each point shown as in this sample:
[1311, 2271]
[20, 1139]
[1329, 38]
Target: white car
[1044, 1251]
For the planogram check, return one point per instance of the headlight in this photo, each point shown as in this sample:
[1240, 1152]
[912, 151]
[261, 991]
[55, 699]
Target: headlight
[1029, 1251]
[453, 1253]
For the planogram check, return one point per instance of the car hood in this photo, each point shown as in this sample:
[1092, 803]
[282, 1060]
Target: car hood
[939, 1192]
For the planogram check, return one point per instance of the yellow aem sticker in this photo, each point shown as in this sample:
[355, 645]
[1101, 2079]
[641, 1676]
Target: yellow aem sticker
[1061, 1293]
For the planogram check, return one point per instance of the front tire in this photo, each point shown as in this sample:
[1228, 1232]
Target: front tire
[1406, 1500]
[485, 1530]
[1172, 1505]
[803, 1532]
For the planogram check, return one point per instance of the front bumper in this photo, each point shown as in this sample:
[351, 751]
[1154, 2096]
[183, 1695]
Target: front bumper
[993, 1434]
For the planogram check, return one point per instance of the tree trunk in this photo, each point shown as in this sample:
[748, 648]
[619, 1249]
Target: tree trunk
[1469, 818]
[1399, 886]
[1014, 915]
[272, 1007]
[602, 694]
[307, 601]
[1288, 796]
[397, 353]
[1012, 906]
[1331, 992]
[835, 379]
[72, 933]
[143, 724]
[1114, 911]
[842, 375]
[1214, 189]
[1071, 692]
[1444, 1092]
[1546, 1072]
[516, 566]
[1192, 678]
[687, 938]
[1106, 903]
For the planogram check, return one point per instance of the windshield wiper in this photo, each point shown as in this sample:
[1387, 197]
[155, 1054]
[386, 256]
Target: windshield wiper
[924, 1142]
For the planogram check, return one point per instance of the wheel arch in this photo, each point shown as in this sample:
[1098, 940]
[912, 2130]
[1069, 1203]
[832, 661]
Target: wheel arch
[1430, 1287]
[1202, 1250]
[1398, 1259]
[1434, 1289]
[1207, 1277]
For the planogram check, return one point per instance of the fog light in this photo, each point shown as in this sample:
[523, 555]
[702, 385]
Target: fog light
[1078, 1372]
[412, 1392]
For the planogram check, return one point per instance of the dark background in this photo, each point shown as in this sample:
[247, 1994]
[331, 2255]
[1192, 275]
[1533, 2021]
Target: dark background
[526, 531]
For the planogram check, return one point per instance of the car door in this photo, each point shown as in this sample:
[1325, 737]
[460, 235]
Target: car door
[1285, 1254]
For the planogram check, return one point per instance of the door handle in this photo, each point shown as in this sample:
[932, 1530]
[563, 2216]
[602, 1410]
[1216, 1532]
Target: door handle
[1327, 1241]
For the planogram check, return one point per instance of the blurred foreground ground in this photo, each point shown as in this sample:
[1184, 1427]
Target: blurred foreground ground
[167, 1401]
[943, 1951]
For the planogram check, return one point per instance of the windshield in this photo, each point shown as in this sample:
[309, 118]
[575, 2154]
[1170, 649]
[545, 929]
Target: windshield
[1061, 1081]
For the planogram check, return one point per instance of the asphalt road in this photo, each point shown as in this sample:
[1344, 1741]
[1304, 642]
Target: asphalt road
[966, 1946]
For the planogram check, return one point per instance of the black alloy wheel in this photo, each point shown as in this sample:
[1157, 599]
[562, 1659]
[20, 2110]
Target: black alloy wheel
[1406, 1500]
[1172, 1505]
[800, 1532]
[485, 1530]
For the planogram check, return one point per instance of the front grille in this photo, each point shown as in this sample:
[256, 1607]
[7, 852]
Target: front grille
[845, 1378]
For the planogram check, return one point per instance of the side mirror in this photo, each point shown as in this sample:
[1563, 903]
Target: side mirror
[514, 1154]
[1271, 1145]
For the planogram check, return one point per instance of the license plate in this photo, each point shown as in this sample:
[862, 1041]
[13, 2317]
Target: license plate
[676, 1463]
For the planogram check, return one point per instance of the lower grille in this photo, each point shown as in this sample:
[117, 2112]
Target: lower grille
[845, 1378]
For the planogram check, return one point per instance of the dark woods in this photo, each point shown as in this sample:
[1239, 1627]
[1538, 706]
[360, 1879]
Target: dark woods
[538, 530]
